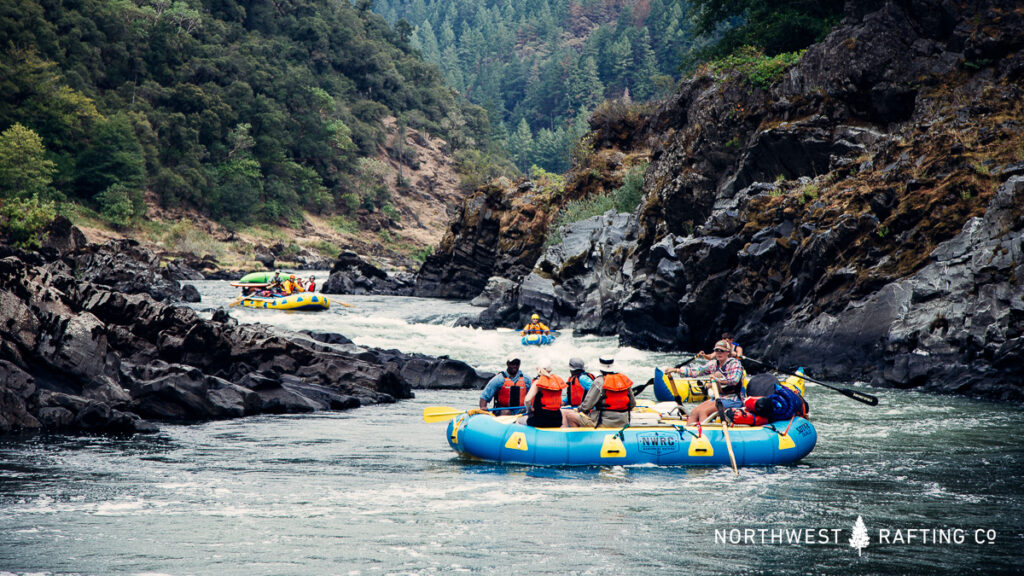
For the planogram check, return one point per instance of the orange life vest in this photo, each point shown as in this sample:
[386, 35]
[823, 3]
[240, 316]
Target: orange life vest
[576, 390]
[550, 392]
[512, 392]
[616, 392]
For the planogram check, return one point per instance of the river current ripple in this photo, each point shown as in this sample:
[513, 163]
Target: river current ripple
[936, 481]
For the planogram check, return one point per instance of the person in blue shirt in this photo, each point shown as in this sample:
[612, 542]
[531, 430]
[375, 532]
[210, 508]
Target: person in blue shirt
[507, 388]
[579, 382]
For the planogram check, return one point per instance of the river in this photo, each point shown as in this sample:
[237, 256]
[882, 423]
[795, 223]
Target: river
[935, 480]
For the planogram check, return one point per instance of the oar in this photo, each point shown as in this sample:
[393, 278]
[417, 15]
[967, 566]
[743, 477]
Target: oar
[236, 302]
[849, 393]
[445, 413]
[725, 426]
[640, 388]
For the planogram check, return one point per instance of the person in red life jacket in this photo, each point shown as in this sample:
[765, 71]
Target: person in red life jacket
[610, 398]
[726, 371]
[311, 287]
[506, 388]
[579, 383]
[544, 400]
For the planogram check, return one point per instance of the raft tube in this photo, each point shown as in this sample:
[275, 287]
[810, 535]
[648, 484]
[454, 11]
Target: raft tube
[678, 389]
[301, 301]
[671, 443]
[538, 339]
[263, 278]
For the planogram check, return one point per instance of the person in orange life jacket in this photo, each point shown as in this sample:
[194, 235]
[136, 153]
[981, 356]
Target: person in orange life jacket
[544, 400]
[610, 398]
[726, 371]
[506, 388]
[535, 327]
[578, 384]
[290, 286]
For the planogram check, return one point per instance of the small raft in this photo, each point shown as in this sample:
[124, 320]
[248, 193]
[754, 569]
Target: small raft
[538, 339]
[666, 443]
[301, 301]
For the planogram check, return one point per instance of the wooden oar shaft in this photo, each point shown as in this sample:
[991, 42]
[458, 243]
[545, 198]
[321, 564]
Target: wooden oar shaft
[725, 430]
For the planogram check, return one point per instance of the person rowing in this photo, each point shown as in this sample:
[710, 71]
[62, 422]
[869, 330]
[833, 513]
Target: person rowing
[726, 371]
[535, 326]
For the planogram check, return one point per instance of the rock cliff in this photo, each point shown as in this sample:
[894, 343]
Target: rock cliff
[861, 215]
[79, 352]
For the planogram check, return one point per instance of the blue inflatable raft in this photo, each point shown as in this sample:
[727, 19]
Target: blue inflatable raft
[667, 443]
[538, 339]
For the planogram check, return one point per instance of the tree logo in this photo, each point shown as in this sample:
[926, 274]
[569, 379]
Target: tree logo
[860, 538]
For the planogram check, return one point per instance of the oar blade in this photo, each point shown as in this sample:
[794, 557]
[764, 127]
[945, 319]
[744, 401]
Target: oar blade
[859, 396]
[440, 413]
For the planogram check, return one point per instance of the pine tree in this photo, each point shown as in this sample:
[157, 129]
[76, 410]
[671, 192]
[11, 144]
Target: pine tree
[860, 538]
[520, 145]
[646, 67]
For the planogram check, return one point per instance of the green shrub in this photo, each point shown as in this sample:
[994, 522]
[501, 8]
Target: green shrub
[421, 254]
[577, 210]
[629, 195]
[752, 64]
[24, 220]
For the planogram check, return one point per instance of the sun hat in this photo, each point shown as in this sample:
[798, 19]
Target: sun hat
[511, 360]
[607, 364]
[576, 363]
[545, 364]
[723, 345]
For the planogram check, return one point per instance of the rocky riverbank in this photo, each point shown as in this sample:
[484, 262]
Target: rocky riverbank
[861, 216]
[85, 346]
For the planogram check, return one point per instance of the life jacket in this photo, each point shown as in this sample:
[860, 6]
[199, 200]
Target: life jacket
[512, 392]
[576, 390]
[311, 287]
[616, 392]
[535, 328]
[549, 395]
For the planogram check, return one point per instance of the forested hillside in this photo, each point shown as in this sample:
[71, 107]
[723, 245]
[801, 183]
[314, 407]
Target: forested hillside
[540, 67]
[248, 111]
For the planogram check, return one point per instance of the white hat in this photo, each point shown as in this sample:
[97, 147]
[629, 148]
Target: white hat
[545, 364]
[606, 364]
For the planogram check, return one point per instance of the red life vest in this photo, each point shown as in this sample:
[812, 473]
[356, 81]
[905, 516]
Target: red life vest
[511, 392]
[616, 392]
[576, 390]
[311, 287]
[549, 392]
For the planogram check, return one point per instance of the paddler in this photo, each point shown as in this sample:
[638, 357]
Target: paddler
[535, 326]
[544, 400]
[726, 371]
[609, 400]
[507, 388]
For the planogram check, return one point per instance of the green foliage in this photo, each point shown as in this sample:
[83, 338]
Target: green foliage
[344, 224]
[576, 210]
[185, 238]
[120, 205]
[326, 249]
[391, 212]
[759, 70]
[628, 196]
[372, 175]
[771, 27]
[25, 172]
[809, 193]
[542, 62]
[23, 221]
[553, 184]
[203, 101]
[477, 168]
[420, 255]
